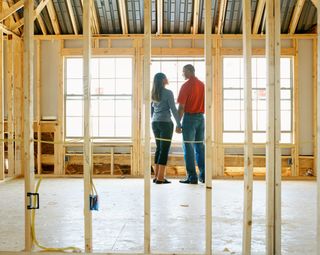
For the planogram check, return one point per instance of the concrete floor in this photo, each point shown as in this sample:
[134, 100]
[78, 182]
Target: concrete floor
[178, 216]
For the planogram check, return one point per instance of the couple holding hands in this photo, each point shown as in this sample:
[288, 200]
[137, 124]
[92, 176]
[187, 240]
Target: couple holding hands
[191, 112]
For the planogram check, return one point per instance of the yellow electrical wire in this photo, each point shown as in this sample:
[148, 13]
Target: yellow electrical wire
[33, 231]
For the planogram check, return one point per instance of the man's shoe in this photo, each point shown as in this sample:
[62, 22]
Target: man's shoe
[201, 180]
[187, 181]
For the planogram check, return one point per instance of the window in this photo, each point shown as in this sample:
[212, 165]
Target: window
[172, 68]
[111, 97]
[233, 100]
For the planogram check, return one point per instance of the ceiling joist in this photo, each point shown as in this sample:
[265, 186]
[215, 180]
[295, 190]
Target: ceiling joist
[296, 16]
[53, 18]
[221, 17]
[8, 12]
[196, 11]
[258, 16]
[123, 16]
[72, 17]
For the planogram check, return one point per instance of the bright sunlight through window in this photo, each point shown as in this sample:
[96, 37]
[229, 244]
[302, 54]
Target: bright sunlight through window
[111, 97]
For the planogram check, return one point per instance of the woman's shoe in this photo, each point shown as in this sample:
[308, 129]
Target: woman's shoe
[154, 180]
[164, 181]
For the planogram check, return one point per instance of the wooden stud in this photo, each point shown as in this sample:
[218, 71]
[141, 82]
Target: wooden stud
[208, 124]
[296, 16]
[87, 149]
[221, 17]
[248, 147]
[2, 165]
[42, 25]
[258, 16]
[318, 128]
[315, 100]
[146, 103]
[72, 17]
[28, 115]
[59, 131]
[112, 161]
[273, 151]
[296, 111]
[159, 17]
[53, 18]
[123, 16]
[38, 117]
[10, 98]
[18, 105]
[196, 9]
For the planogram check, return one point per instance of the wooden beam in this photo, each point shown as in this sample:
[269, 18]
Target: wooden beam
[18, 109]
[38, 108]
[36, 12]
[258, 16]
[72, 17]
[53, 18]
[42, 25]
[314, 104]
[2, 165]
[15, 15]
[208, 123]
[10, 101]
[196, 10]
[28, 143]
[221, 17]
[146, 104]
[8, 12]
[318, 129]
[87, 157]
[159, 17]
[315, 3]
[123, 16]
[248, 147]
[94, 17]
[296, 110]
[296, 16]
[273, 150]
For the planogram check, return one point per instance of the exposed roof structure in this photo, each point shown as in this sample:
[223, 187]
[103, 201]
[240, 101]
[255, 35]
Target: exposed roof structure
[168, 16]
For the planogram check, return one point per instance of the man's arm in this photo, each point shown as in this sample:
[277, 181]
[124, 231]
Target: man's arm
[181, 110]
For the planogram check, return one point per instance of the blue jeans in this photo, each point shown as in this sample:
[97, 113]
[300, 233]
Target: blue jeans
[193, 130]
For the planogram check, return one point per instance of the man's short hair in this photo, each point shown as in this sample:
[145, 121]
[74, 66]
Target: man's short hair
[190, 68]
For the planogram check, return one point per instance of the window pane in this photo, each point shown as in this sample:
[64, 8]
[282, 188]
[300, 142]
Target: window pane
[232, 83]
[74, 126]
[94, 126]
[94, 106]
[155, 68]
[233, 137]
[285, 83]
[232, 68]
[285, 105]
[231, 94]
[285, 120]
[285, 138]
[74, 107]
[259, 137]
[123, 107]
[231, 120]
[123, 68]
[261, 68]
[123, 86]
[108, 86]
[106, 107]
[285, 94]
[261, 83]
[231, 104]
[74, 87]
[74, 68]
[200, 69]
[106, 126]
[94, 68]
[107, 68]
[123, 126]
[285, 68]
[95, 87]
[262, 120]
[170, 70]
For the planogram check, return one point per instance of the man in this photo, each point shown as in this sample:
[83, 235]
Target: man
[191, 107]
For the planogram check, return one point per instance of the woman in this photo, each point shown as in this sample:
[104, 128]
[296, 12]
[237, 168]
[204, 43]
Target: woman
[162, 126]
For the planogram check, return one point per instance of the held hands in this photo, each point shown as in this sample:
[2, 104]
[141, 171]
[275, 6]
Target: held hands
[178, 130]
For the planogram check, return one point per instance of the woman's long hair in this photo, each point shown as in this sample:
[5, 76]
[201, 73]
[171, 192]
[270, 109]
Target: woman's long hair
[157, 87]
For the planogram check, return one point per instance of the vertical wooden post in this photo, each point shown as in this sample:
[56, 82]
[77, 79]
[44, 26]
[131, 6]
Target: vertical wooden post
[318, 129]
[147, 112]
[209, 126]
[112, 161]
[273, 152]
[28, 115]
[296, 112]
[87, 150]
[248, 148]
[38, 85]
[2, 167]
[18, 104]
[59, 131]
[315, 110]
[10, 101]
